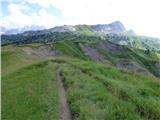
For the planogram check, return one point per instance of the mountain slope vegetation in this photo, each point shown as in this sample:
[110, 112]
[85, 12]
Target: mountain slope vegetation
[81, 72]
[121, 83]
[114, 32]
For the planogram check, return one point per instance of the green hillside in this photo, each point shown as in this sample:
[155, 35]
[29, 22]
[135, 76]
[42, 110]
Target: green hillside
[112, 53]
[95, 89]
[85, 30]
[135, 41]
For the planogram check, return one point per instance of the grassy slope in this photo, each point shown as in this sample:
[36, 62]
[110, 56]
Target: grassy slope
[29, 88]
[13, 58]
[144, 43]
[72, 49]
[111, 93]
[85, 30]
[138, 42]
[94, 91]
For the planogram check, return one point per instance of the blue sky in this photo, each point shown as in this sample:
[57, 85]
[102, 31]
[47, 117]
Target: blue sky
[140, 15]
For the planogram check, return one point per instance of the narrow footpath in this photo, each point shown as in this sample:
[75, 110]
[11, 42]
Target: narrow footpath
[65, 113]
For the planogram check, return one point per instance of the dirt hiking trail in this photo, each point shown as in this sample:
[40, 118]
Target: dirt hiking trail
[65, 113]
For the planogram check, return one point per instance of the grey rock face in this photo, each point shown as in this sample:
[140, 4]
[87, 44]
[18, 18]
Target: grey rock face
[114, 27]
[93, 53]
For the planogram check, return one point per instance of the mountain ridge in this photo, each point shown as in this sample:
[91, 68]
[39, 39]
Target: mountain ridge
[114, 27]
[11, 31]
[115, 32]
[113, 76]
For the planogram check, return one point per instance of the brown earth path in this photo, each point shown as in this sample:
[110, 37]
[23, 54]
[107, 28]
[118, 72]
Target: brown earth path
[65, 113]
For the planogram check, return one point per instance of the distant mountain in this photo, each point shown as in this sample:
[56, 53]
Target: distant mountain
[130, 32]
[114, 27]
[63, 28]
[20, 30]
[2, 30]
[114, 32]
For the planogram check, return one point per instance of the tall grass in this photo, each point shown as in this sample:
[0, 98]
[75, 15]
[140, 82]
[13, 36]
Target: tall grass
[111, 93]
[30, 93]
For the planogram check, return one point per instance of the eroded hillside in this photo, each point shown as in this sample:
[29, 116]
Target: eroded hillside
[79, 80]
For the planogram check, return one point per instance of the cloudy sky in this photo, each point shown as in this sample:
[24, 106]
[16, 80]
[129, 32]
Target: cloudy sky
[143, 16]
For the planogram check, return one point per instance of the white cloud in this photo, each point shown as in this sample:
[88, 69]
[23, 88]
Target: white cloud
[18, 17]
[140, 15]
[46, 19]
[42, 3]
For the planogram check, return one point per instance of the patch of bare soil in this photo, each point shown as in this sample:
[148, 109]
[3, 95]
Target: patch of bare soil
[158, 67]
[65, 113]
[110, 47]
[42, 51]
[93, 53]
[132, 66]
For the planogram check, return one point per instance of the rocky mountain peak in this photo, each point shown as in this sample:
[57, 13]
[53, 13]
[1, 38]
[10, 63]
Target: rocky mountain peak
[114, 27]
[117, 26]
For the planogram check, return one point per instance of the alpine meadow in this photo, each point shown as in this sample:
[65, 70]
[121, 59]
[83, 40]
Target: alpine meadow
[77, 71]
